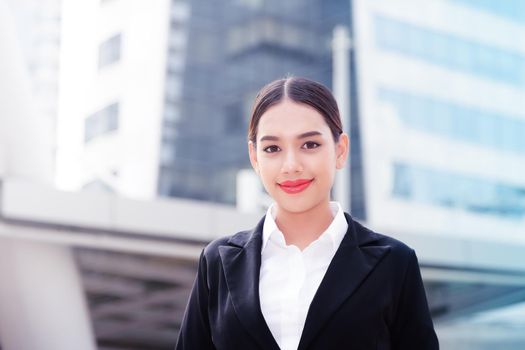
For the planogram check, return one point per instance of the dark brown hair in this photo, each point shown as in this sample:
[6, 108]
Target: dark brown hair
[300, 90]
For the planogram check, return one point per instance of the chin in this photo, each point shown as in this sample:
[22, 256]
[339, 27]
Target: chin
[296, 205]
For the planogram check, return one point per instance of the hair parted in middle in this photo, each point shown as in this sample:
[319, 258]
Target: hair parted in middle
[300, 90]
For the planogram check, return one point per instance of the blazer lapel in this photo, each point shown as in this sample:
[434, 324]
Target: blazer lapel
[351, 264]
[241, 260]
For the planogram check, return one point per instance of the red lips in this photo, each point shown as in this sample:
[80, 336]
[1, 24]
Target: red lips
[295, 186]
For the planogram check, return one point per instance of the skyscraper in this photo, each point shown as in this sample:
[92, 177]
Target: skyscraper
[234, 48]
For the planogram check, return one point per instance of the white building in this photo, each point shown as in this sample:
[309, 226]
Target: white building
[119, 64]
[441, 95]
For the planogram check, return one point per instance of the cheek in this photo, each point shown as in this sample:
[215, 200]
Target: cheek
[268, 169]
[325, 169]
[322, 163]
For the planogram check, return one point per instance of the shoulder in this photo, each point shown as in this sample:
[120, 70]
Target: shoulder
[398, 252]
[211, 251]
[239, 239]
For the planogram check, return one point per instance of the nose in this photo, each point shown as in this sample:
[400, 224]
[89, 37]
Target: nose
[291, 163]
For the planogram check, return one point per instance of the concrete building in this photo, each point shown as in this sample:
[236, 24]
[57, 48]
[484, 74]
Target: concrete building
[119, 71]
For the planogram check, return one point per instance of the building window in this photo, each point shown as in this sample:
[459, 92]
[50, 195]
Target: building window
[272, 32]
[109, 51]
[445, 189]
[509, 9]
[167, 153]
[101, 122]
[491, 129]
[450, 51]
[234, 118]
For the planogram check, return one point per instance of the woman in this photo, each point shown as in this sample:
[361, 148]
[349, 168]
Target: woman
[307, 276]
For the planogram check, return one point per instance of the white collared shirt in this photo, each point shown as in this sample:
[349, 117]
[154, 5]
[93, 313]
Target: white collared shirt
[290, 277]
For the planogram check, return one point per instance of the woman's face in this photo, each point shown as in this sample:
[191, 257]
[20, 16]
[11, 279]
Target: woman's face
[296, 156]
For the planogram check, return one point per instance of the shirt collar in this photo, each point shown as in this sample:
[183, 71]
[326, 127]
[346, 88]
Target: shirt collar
[334, 233]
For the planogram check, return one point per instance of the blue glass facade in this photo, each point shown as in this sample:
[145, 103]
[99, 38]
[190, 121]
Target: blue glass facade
[456, 121]
[452, 190]
[450, 51]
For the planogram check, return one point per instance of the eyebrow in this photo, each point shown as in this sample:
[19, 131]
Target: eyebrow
[300, 136]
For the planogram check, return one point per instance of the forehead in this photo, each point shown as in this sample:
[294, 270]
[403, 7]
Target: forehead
[289, 118]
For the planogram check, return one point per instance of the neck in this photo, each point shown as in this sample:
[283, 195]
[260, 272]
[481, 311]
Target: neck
[302, 228]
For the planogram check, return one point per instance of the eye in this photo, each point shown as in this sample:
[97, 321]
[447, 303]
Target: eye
[271, 149]
[310, 145]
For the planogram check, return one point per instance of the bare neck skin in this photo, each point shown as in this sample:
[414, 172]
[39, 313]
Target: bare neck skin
[301, 229]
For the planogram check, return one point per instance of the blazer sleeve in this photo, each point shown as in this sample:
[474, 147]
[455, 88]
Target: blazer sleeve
[412, 327]
[195, 328]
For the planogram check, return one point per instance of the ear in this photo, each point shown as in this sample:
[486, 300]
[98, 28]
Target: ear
[252, 151]
[342, 148]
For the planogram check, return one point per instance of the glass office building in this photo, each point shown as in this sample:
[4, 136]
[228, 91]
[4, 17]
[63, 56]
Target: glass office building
[233, 49]
[441, 92]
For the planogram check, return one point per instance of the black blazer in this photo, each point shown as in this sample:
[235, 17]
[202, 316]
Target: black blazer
[372, 297]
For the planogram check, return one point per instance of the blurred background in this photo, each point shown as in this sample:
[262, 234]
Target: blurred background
[123, 152]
